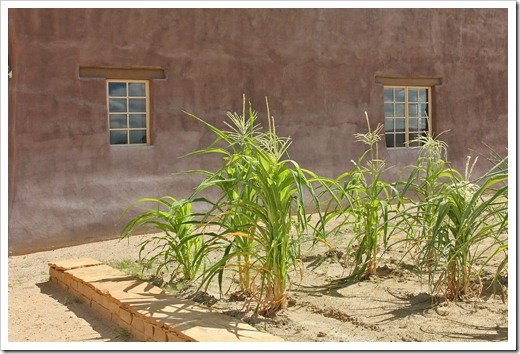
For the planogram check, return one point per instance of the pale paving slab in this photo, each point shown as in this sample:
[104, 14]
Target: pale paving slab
[74, 263]
[191, 319]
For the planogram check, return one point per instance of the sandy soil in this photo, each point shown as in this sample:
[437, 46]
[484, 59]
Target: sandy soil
[393, 307]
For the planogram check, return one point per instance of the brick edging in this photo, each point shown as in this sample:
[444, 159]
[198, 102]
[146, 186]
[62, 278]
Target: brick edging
[141, 327]
[119, 298]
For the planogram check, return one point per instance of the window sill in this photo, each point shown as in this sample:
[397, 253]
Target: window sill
[130, 146]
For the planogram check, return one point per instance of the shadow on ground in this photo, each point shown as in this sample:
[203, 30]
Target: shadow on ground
[106, 329]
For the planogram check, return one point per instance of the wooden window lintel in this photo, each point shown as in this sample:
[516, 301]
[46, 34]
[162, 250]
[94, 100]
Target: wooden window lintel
[122, 73]
[408, 81]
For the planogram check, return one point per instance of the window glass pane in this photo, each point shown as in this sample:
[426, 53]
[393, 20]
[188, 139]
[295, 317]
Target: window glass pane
[389, 125]
[117, 105]
[423, 95]
[137, 136]
[423, 110]
[389, 109]
[137, 120]
[412, 124]
[117, 89]
[137, 105]
[399, 140]
[389, 140]
[399, 109]
[389, 94]
[136, 89]
[412, 95]
[399, 124]
[117, 121]
[118, 137]
[423, 124]
[412, 110]
[399, 94]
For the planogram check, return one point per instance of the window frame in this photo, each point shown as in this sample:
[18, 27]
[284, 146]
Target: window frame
[128, 112]
[406, 103]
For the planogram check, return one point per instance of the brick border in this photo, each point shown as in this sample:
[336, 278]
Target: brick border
[104, 289]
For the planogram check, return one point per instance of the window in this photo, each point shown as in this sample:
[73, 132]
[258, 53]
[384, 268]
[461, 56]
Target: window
[407, 111]
[128, 112]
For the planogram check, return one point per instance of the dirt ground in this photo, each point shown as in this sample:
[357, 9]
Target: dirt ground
[393, 307]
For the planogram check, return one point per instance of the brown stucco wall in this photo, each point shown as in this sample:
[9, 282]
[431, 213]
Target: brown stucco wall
[317, 66]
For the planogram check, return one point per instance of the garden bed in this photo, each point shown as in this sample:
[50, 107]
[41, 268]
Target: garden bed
[392, 307]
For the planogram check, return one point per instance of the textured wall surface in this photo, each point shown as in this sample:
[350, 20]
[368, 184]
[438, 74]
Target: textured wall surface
[68, 186]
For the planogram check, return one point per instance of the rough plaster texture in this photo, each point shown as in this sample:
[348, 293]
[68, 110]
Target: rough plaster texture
[146, 311]
[67, 185]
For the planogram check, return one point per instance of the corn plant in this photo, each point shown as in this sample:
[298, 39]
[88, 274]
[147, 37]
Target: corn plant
[242, 134]
[451, 216]
[500, 246]
[174, 247]
[421, 191]
[469, 214]
[366, 202]
[257, 221]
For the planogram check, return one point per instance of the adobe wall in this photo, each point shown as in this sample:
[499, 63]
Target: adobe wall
[67, 185]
